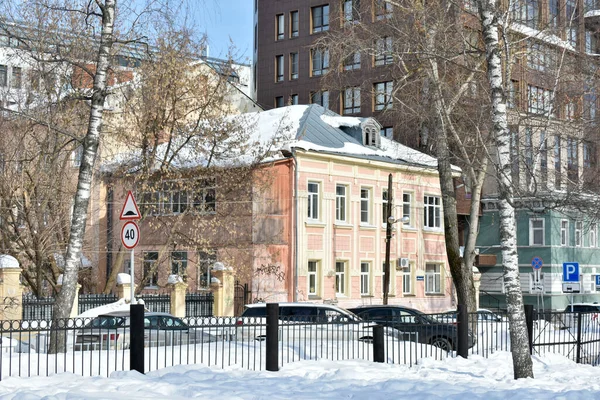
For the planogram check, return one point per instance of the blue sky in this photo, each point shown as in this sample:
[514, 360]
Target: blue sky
[223, 20]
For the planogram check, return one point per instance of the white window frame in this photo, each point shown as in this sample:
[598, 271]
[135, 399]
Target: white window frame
[77, 156]
[365, 206]
[407, 208]
[392, 290]
[341, 203]
[340, 278]
[407, 280]
[433, 278]
[313, 200]
[313, 275]
[564, 232]
[578, 233]
[351, 103]
[365, 278]
[533, 229]
[432, 212]
[179, 264]
[592, 237]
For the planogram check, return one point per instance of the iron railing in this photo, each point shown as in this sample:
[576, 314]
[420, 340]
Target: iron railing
[94, 348]
[199, 304]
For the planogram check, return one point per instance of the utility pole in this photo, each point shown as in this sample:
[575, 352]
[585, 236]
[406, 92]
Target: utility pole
[388, 239]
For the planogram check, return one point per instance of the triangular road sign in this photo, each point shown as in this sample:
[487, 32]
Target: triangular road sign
[130, 209]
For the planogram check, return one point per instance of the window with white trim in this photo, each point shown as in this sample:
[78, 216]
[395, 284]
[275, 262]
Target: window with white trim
[77, 155]
[536, 232]
[407, 280]
[564, 232]
[352, 61]
[406, 207]
[433, 278]
[592, 236]
[313, 200]
[392, 290]
[341, 203]
[365, 205]
[578, 233]
[313, 278]
[365, 278]
[432, 215]
[340, 278]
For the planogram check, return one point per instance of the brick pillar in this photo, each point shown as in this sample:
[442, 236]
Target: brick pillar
[178, 291]
[11, 290]
[477, 284]
[222, 286]
[124, 287]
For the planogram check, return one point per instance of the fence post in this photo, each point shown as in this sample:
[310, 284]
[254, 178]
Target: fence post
[136, 352]
[378, 344]
[223, 287]
[10, 288]
[578, 358]
[529, 322]
[272, 356]
[178, 290]
[462, 318]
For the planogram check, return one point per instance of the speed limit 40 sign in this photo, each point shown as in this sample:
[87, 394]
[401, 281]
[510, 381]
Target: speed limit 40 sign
[130, 235]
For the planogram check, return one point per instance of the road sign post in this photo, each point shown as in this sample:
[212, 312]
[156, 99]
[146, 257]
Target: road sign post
[130, 234]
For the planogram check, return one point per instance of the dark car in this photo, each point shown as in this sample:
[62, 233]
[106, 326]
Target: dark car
[413, 325]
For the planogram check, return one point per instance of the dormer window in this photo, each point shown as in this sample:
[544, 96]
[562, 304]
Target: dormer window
[370, 134]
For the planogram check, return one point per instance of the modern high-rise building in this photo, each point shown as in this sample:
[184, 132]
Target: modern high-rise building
[289, 67]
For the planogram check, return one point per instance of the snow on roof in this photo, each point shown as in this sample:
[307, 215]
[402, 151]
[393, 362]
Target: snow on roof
[264, 134]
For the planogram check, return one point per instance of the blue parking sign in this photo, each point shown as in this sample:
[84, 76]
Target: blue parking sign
[570, 272]
[597, 280]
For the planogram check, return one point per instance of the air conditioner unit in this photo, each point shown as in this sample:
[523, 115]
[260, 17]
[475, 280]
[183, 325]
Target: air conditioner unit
[404, 262]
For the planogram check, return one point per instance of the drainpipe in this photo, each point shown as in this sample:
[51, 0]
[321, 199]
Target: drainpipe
[295, 166]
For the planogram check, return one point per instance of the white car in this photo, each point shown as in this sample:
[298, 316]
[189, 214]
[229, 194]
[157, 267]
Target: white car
[300, 321]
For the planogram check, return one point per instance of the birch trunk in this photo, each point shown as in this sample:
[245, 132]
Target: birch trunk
[522, 364]
[64, 301]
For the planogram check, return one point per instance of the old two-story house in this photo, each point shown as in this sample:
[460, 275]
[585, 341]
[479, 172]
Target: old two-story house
[309, 223]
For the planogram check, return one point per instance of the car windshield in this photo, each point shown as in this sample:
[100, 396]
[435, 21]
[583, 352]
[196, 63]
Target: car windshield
[106, 322]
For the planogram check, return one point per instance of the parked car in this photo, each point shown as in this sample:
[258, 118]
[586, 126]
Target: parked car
[112, 330]
[304, 320]
[413, 325]
[590, 311]
[483, 315]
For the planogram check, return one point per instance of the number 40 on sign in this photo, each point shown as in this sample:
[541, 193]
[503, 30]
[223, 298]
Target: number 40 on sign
[130, 235]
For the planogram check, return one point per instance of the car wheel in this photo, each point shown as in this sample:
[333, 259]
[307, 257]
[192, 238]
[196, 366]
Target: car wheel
[442, 342]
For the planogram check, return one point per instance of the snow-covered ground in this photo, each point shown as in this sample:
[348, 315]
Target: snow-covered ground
[452, 378]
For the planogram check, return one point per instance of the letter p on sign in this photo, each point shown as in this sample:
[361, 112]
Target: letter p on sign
[571, 272]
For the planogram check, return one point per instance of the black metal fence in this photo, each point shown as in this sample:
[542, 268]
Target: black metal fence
[157, 302]
[96, 347]
[196, 304]
[199, 304]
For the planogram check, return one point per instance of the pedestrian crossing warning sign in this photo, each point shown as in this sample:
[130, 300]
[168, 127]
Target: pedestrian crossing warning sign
[130, 209]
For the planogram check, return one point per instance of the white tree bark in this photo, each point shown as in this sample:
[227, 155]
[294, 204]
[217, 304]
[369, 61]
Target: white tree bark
[64, 301]
[522, 364]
